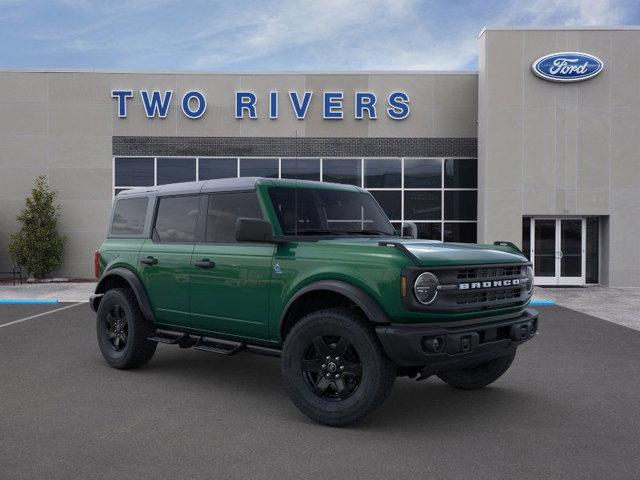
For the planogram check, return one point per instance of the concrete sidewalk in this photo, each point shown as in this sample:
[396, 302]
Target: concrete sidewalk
[615, 304]
[63, 292]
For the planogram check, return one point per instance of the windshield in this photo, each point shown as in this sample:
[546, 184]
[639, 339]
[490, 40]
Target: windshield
[318, 211]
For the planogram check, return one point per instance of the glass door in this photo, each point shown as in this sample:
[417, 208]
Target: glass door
[558, 248]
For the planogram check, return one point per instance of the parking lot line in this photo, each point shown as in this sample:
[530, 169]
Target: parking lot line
[40, 314]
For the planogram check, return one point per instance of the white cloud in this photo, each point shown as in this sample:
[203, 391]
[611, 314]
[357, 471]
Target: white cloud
[306, 34]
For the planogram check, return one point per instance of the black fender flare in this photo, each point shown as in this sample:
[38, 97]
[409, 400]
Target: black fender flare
[362, 299]
[136, 285]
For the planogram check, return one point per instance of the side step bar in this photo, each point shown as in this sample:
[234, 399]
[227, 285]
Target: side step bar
[210, 344]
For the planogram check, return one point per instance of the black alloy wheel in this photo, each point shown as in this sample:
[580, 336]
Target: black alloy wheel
[118, 327]
[332, 367]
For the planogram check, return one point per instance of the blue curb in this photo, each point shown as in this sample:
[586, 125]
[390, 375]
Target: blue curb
[539, 303]
[27, 301]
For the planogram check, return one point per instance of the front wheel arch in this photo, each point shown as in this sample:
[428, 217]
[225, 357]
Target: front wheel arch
[338, 289]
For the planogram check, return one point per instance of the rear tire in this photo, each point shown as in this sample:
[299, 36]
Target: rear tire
[478, 376]
[334, 368]
[123, 331]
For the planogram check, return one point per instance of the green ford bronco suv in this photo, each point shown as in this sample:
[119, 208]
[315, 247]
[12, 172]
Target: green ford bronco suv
[311, 272]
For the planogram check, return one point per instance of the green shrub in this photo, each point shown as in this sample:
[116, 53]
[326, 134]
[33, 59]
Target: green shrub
[38, 246]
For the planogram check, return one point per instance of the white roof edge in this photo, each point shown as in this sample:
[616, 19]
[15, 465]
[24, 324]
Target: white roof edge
[238, 72]
[563, 27]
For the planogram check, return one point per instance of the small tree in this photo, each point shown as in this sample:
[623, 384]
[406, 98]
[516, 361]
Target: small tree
[38, 246]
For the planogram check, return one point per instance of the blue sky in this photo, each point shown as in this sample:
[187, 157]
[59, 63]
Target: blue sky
[274, 35]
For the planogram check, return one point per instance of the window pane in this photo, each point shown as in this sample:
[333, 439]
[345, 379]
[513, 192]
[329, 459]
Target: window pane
[460, 232]
[176, 220]
[339, 170]
[391, 203]
[210, 168]
[128, 216]
[422, 205]
[430, 231]
[593, 231]
[176, 170]
[460, 173]
[311, 211]
[224, 210]
[382, 173]
[134, 172]
[460, 205]
[422, 173]
[259, 167]
[301, 168]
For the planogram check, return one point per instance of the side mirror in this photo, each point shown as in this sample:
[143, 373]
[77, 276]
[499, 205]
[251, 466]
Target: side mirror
[253, 230]
[409, 229]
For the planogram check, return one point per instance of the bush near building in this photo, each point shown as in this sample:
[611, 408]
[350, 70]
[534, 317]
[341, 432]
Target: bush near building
[38, 246]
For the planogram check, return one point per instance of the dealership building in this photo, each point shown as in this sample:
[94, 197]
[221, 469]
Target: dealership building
[540, 146]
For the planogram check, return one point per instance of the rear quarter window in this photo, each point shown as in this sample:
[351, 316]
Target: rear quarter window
[128, 216]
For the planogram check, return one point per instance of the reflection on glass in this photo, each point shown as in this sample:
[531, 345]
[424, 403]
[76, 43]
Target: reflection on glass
[460, 205]
[210, 168]
[422, 173]
[176, 170]
[259, 167]
[545, 248]
[341, 170]
[391, 203]
[134, 172]
[460, 232]
[425, 205]
[526, 237]
[460, 173]
[430, 231]
[571, 248]
[301, 168]
[382, 173]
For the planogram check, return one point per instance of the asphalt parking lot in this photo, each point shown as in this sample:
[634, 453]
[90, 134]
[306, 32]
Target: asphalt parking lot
[568, 408]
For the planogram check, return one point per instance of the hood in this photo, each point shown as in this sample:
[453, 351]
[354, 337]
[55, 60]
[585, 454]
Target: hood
[438, 253]
[434, 253]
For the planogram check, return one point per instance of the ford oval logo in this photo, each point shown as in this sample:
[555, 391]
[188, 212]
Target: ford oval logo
[567, 66]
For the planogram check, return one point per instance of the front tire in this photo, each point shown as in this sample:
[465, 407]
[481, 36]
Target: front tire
[478, 376]
[123, 331]
[334, 368]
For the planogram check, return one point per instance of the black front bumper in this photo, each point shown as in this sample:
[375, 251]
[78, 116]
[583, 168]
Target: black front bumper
[448, 346]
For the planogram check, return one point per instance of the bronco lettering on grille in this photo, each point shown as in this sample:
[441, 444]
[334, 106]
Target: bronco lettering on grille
[489, 284]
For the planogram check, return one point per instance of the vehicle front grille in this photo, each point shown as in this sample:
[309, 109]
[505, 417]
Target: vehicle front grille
[489, 296]
[485, 273]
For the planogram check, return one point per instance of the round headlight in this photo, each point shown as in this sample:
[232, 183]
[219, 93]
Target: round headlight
[426, 288]
[529, 274]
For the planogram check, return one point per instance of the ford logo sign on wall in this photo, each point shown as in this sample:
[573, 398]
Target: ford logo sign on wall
[567, 66]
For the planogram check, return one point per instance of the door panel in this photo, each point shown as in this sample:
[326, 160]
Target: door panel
[165, 259]
[232, 296]
[571, 247]
[167, 281]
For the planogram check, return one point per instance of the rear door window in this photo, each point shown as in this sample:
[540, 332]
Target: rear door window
[129, 215]
[176, 219]
[224, 210]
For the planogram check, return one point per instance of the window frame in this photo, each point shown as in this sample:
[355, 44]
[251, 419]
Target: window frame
[203, 217]
[152, 229]
[143, 234]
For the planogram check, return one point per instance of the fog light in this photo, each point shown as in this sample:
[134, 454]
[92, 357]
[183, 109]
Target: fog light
[434, 344]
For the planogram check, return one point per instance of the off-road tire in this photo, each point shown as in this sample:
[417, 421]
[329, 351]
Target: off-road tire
[377, 372]
[137, 350]
[478, 376]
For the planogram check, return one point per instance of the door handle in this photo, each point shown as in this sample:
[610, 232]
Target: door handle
[149, 260]
[204, 263]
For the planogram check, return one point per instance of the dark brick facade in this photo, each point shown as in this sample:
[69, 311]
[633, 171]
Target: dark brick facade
[294, 147]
